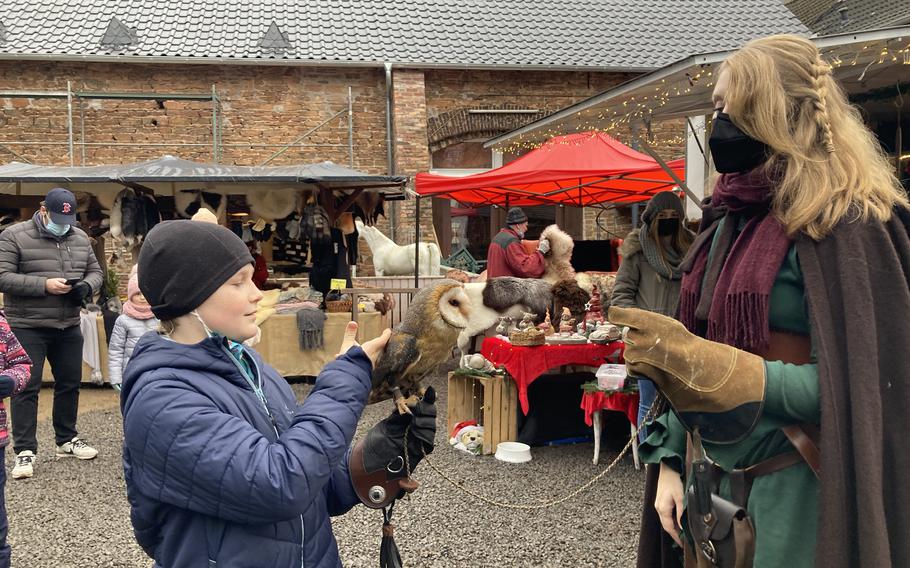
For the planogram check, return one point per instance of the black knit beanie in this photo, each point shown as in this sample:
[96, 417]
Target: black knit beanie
[516, 216]
[182, 263]
[661, 201]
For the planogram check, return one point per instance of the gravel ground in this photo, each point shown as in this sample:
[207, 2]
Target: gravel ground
[75, 514]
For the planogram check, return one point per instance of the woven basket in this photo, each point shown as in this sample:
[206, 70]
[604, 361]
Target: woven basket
[527, 338]
[338, 306]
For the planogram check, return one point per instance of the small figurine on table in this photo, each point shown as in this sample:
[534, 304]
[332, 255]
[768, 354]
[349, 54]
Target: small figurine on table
[547, 326]
[502, 328]
[527, 321]
[566, 323]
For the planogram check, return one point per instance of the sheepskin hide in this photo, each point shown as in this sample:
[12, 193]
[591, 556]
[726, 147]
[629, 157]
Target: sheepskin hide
[502, 293]
[128, 222]
[604, 282]
[510, 296]
[273, 204]
[559, 259]
[188, 201]
[568, 294]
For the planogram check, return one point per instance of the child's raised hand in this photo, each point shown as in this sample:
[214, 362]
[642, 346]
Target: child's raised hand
[350, 338]
[373, 348]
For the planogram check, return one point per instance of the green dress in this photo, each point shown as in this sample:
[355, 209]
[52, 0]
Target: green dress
[784, 504]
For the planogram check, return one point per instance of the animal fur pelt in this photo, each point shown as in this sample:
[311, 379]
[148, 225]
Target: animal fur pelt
[568, 294]
[502, 293]
[603, 280]
[128, 221]
[188, 201]
[273, 204]
[368, 206]
[506, 296]
[559, 259]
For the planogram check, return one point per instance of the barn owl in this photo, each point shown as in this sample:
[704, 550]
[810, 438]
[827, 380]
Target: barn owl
[421, 342]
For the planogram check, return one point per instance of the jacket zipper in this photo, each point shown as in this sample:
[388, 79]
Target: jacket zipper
[262, 400]
[63, 270]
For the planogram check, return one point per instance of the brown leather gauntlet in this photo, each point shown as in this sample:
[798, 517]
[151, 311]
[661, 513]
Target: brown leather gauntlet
[715, 387]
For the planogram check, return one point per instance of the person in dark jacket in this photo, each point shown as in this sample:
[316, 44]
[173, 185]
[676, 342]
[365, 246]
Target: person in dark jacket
[649, 275]
[507, 257]
[47, 271]
[223, 467]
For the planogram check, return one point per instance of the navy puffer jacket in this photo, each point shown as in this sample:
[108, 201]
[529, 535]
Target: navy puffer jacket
[211, 483]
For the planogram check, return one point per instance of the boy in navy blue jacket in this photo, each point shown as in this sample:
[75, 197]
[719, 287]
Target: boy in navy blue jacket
[223, 467]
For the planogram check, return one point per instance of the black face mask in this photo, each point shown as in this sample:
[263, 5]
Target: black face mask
[667, 227]
[732, 149]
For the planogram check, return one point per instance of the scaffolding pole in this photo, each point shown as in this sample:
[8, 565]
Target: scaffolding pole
[69, 121]
[286, 147]
[214, 126]
[350, 127]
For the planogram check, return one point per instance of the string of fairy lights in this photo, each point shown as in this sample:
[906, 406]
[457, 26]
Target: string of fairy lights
[621, 118]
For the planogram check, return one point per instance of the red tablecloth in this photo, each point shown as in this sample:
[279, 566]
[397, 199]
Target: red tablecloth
[620, 402]
[525, 364]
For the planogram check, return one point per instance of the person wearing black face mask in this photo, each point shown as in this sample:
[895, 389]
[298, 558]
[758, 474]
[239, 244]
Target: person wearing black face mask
[732, 149]
[649, 276]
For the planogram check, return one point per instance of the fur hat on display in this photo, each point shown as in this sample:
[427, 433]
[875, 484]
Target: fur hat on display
[183, 262]
[516, 216]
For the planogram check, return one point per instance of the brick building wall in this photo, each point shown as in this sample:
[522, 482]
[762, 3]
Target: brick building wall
[265, 107]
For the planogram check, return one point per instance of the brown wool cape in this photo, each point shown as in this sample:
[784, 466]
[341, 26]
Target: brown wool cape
[857, 283]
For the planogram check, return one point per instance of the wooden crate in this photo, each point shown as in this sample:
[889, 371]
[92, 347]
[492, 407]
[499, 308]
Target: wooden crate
[492, 402]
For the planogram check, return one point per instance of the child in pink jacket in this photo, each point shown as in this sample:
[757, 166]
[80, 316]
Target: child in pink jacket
[15, 370]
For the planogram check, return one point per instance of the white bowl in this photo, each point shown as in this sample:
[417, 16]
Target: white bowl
[513, 452]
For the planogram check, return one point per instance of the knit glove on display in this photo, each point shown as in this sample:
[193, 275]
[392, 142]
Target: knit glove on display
[714, 387]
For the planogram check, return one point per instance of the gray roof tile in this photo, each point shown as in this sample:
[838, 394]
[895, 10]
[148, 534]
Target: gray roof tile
[631, 34]
[827, 17]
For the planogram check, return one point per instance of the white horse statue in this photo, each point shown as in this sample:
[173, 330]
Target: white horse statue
[392, 259]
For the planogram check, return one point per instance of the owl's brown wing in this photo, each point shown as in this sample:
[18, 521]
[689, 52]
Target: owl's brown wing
[399, 356]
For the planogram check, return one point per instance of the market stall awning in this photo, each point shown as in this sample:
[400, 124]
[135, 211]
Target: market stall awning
[581, 170]
[172, 170]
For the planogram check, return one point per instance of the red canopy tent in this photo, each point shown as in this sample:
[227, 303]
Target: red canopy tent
[581, 170]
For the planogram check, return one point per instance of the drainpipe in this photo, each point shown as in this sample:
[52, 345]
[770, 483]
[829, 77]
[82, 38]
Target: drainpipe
[390, 151]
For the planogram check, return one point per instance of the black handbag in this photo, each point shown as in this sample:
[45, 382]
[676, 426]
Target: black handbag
[724, 537]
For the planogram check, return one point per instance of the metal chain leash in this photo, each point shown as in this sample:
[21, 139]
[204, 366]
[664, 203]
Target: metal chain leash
[519, 506]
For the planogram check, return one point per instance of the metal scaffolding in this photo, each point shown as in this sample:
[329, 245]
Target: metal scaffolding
[217, 144]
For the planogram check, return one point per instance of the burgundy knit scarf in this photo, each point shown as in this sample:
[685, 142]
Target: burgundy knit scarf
[728, 299]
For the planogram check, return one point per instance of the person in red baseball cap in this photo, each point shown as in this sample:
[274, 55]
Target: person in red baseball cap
[47, 272]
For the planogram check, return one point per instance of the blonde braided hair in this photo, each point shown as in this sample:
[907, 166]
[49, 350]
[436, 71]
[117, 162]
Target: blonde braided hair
[821, 72]
[778, 90]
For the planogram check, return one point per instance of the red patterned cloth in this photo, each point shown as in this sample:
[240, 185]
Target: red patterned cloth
[525, 364]
[605, 400]
[15, 364]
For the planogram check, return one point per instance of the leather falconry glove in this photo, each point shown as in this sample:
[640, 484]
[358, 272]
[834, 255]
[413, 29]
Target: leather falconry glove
[378, 468]
[714, 387]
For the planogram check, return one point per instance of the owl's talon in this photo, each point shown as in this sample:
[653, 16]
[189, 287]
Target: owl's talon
[402, 405]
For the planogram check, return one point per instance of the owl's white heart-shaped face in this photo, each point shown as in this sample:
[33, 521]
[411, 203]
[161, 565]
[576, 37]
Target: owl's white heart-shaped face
[455, 307]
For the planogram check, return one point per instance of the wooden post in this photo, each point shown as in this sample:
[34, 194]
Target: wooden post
[417, 244]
